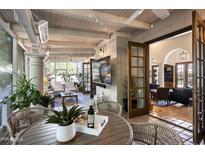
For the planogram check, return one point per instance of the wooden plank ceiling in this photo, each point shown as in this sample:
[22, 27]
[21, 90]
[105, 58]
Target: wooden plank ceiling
[76, 33]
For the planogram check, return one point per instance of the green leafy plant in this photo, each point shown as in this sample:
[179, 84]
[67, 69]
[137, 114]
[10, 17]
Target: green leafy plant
[46, 100]
[24, 95]
[65, 117]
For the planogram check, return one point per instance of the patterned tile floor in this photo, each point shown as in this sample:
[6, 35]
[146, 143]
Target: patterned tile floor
[186, 135]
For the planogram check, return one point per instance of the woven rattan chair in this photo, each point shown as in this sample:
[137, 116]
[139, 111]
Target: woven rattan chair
[18, 121]
[110, 106]
[5, 137]
[154, 134]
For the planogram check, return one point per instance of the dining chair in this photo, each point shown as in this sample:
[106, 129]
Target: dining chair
[5, 137]
[110, 106]
[18, 121]
[161, 94]
[155, 134]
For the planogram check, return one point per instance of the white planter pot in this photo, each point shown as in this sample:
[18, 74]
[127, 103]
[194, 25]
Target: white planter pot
[15, 110]
[65, 133]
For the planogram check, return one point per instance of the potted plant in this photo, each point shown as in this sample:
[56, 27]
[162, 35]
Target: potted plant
[79, 82]
[133, 92]
[65, 119]
[47, 100]
[24, 95]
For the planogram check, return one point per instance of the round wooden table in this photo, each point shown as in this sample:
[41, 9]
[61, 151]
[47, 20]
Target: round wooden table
[116, 132]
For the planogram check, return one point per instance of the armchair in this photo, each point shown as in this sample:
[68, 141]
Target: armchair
[57, 87]
[70, 86]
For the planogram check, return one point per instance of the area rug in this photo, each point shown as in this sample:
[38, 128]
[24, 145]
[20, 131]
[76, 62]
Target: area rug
[163, 103]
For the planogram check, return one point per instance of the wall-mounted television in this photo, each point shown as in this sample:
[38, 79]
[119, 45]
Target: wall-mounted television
[101, 71]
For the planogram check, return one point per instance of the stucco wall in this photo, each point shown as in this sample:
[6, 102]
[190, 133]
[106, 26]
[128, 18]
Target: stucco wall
[122, 68]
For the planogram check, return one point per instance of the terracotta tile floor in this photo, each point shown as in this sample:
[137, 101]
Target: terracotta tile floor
[176, 114]
[186, 135]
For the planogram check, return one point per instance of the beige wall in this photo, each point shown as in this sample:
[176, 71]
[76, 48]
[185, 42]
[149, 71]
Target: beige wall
[160, 49]
[168, 52]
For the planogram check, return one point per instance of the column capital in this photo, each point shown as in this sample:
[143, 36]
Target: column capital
[35, 54]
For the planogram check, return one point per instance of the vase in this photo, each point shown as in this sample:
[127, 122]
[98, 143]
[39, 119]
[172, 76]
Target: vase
[65, 133]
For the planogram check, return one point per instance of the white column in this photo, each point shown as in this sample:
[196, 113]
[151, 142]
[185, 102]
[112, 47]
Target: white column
[36, 70]
[26, 65]
[15, 62]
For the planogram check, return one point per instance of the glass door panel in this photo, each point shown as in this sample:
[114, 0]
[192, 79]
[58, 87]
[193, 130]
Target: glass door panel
[180, 75]
[137, 79]
[86, 77]
[189, 75]
[184, 75]
[198, 52]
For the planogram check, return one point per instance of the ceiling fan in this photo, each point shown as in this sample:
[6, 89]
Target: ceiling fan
[161, 13]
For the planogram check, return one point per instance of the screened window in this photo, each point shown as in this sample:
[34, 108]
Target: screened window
[62, 71]
[5, 68]
[184, 74]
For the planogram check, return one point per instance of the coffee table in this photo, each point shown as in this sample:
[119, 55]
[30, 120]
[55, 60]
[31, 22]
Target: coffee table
[69, 94]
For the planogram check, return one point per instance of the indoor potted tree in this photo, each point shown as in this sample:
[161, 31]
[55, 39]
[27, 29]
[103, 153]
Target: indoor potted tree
[133, 92]
[65, 119]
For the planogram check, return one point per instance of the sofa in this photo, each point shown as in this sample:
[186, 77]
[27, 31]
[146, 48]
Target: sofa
[181, 95]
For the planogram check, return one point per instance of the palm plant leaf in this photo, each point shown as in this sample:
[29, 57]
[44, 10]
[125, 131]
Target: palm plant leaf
[65, 117]
[65, 111]
[71, 111]
[58, 114]
[54, 119]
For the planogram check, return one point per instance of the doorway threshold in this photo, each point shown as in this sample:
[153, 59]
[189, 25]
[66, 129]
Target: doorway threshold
[182, 125]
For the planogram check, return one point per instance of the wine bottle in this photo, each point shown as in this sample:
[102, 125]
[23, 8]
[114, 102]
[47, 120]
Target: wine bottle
[91, 117]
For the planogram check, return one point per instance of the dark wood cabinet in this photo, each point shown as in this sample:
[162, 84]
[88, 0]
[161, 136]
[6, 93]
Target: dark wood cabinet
[155, 74]
[168, 76]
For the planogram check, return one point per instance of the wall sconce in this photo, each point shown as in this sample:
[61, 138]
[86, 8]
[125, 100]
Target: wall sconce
[183, 55]
[101, 52]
